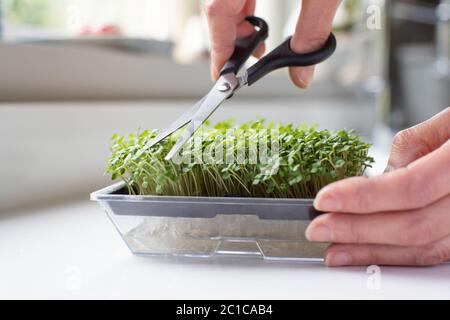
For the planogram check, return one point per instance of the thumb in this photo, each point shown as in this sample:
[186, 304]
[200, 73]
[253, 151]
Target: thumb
[311, 33]
[420, 140]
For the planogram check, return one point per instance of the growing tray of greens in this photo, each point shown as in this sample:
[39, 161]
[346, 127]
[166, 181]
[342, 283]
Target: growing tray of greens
[239, 190]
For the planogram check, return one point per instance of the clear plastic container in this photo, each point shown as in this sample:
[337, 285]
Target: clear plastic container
[270, 229]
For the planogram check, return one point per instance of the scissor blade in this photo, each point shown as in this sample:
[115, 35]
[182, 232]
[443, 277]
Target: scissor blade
[212, 101]
[177, 124]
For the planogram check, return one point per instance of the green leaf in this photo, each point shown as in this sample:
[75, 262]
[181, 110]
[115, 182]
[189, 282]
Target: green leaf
[306, 161]
[340, 163]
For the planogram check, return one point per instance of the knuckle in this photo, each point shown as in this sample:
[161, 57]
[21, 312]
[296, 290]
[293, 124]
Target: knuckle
[433, 255]
[332, 220]
[403, 139]
[418, 191]
[420, 231]
[355, 232]
[345, 229]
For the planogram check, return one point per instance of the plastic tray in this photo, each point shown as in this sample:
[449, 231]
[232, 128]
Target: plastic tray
[203, 227]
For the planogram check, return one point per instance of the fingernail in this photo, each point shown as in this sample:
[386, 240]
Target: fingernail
[338, 259]
[319, 233]
[327, 203]
[306, 75]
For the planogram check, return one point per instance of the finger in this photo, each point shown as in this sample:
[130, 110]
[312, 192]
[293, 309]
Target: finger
[408, 228]
[312, 31]
[338, 255]
[259, 52]
[245, 29]
[302, 76]
[419, 184]
[223, 18]
[412, 144]
[249, 8]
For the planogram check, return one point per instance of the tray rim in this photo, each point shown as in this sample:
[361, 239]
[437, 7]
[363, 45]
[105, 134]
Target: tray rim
[106, 194]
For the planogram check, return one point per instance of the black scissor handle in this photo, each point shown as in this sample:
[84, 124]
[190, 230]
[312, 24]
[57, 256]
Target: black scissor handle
[283, 56]
[245, 47]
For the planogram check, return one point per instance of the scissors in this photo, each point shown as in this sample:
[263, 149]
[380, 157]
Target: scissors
[230, 82]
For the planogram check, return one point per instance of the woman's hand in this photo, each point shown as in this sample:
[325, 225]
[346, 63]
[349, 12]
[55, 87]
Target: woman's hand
[399, 218]
[226, 20]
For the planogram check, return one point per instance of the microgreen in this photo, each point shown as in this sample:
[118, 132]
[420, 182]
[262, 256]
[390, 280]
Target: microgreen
[307, 160]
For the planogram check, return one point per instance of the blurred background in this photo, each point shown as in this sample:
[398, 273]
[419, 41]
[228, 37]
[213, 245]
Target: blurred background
[74, 72]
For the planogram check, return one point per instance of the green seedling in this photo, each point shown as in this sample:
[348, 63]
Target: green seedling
[225, 160]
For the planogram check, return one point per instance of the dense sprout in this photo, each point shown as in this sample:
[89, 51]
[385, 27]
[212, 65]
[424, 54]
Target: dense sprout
[306, 160]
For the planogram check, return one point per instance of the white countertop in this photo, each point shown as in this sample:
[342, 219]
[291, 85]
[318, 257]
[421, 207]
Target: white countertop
[72, 251]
